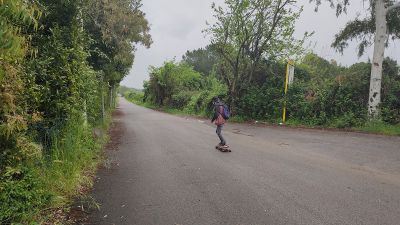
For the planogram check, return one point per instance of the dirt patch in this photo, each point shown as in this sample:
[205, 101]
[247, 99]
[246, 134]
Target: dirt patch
[116, 131]
[117, 113]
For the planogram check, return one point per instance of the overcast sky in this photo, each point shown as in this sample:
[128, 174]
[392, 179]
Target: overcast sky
[176, 26]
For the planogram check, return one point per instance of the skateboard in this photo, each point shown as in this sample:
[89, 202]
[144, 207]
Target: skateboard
[223, 149]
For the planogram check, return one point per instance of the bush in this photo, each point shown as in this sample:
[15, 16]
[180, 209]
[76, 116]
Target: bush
[134, 96]
[180, 99]
[22, 195]
[323, 93]
[263, 103]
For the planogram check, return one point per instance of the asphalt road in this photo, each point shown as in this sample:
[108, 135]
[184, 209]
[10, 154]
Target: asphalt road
[165, 170]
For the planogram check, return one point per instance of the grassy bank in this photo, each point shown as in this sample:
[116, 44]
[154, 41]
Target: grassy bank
[379, 128]
[42, 192]
[375, 127]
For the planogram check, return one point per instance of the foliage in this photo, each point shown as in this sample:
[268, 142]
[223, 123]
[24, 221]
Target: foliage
[390, 107]
[319, 67]
[363, 30]
[323, 93]
[382, 23]
[14, 17]
[379, 127]
[20, 191]
[341, 101]
[124, 89]
[170, 79]
[200, 102]
[60, 65]
[202, 60]
[264, 101]
[134, 96]
[113, 27]
[15, 147]
[248, 32]
[179, 86]
[22, 194]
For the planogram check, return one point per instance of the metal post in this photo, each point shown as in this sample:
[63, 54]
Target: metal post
[288, 80]
[286, 89]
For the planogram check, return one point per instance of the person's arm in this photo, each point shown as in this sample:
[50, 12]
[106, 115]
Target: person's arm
[215, 115]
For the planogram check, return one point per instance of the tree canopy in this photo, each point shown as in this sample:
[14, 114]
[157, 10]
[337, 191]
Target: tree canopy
[249, 31]
[383, 23]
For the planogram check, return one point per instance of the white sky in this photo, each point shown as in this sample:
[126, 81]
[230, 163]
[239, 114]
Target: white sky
[176, 26]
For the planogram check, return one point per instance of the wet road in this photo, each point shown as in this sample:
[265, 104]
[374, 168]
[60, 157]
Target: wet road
[165, 170]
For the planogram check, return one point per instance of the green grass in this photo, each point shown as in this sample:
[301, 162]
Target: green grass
[72, 165]
[31, 194]
[71, 168]
[137, 99]
[237, 119]
[374, 127]
[379, 128]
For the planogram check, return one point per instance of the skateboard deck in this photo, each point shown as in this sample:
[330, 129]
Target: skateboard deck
[223, 149]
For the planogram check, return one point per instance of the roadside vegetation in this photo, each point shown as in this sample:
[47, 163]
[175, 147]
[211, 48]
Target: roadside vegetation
[324, 95]
[245, 64]
[60, 65]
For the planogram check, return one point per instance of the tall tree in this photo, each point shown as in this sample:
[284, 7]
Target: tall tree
[383, 23]
[116, 27]
[202, 60]
[248, 31]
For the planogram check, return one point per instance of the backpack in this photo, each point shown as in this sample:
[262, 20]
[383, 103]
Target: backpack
[226, 113]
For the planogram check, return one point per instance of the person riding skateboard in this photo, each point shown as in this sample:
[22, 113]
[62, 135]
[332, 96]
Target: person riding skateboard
[219, 120]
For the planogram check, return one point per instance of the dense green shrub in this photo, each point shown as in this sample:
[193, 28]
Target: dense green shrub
[341, 96]
[169, 80]
[322, 94]
[201, 101]
[390, 106]
[134, 96]
[22, 195]
[59, 69]
[181, 99]
[263, 103]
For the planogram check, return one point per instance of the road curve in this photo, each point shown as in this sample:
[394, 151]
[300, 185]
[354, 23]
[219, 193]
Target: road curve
[165, 170]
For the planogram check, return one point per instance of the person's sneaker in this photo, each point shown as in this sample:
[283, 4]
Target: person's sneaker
[224, 146]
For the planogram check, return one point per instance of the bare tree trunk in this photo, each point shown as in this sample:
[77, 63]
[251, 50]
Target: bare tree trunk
[379, 50]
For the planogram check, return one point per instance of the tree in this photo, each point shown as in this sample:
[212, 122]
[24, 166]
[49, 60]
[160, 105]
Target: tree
[116, 27]
[384, 23]
[171, 83]
[247, 32]
[202, 60]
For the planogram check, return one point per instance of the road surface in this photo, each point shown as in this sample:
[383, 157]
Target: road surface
[165, 170]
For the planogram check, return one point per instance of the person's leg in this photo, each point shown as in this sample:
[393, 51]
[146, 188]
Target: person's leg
[219, 132]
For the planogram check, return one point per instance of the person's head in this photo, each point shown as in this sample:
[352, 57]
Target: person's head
[215, 100]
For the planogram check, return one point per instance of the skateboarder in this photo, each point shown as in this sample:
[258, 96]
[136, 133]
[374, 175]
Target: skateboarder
[219, 120]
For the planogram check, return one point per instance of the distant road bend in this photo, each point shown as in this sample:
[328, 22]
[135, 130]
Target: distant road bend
[166, 171]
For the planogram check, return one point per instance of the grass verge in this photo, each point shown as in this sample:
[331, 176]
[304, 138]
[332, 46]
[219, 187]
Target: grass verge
[379, 127]
[42, 192]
